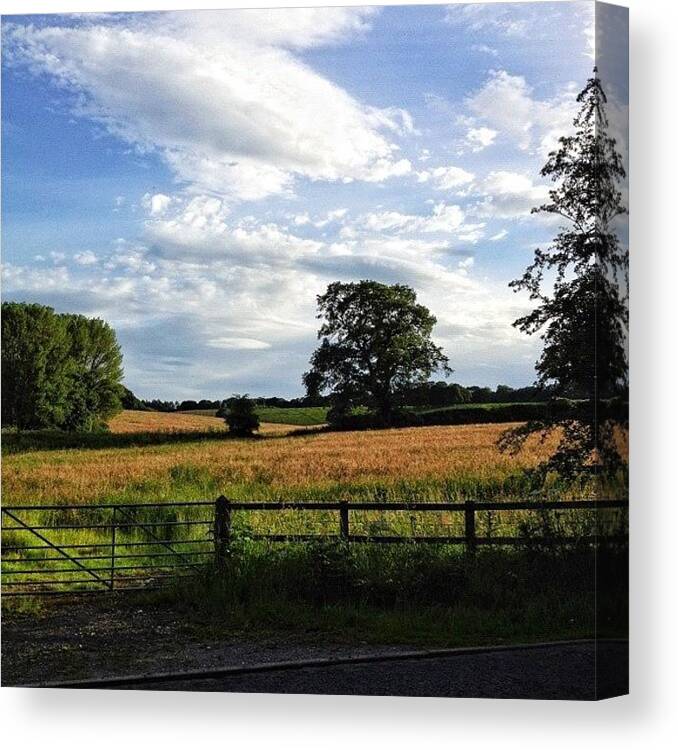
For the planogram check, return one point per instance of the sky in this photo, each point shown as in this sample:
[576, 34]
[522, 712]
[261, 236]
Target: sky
[196, 178]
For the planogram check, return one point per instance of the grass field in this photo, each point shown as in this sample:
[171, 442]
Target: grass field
[308, 415]
[317, 415]
[428, 594]
[302, 416]
[430, 461]
[158, 421]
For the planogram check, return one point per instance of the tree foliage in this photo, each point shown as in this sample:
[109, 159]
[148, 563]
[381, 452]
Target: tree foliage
[240, 415]
[375, 342]
[579, 286]
[58, 371]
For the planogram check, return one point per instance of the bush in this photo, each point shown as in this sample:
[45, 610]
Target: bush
[241, 418]
[490, 414]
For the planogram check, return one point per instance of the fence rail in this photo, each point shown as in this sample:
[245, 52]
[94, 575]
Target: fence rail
[114, 547]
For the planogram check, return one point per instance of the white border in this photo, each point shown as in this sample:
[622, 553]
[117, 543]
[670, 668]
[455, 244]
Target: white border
[118, 720]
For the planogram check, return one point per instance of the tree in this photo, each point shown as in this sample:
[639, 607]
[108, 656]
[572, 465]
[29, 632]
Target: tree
[129, 401]
[36, 367]
[58, 371]
[579, 284]
[240, 416]
[96, 390]
[375, 341]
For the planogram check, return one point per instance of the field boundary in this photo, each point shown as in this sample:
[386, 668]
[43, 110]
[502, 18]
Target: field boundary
[139, 546]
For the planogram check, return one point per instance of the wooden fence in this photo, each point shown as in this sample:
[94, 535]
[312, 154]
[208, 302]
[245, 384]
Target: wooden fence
[138, 546]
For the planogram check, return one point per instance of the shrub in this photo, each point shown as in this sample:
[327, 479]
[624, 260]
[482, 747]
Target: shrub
[241, 418]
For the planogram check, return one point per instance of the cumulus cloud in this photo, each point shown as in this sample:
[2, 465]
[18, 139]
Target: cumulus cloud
[225, 292]
[510, 19]
[480, 138]
[506, 105]
[517, 22]
[220, 123]
[86, 258]
[446, 178]
[444, 219]
[156, 204]
[509, 195]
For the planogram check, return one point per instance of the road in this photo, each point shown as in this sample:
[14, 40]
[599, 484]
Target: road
[563, 671]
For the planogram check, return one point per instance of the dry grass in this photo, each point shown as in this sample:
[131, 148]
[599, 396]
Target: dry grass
[280, 464]
[157, 421]
[130, 422]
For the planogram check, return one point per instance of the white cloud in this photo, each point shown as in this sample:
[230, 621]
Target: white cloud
[499, 236]
[86, 258]
[480, 138]
[509, 19]
[156, 204]
[226, 342]
[336, 215]
[508, 195]
[222, 124]
[505, 104]
[444, 219]
[485, 49]
[466, 264]
[446, 178]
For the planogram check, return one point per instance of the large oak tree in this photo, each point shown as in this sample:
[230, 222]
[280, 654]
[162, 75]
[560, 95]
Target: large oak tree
[375, 340]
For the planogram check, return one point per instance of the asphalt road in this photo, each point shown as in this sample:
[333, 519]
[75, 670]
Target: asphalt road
[556, 672]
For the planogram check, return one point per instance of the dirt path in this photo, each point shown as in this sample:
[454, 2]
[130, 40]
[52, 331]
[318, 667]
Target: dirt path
[80, 639]
[86, 639]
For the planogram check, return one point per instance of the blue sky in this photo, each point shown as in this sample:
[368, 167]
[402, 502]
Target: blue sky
[196, 178]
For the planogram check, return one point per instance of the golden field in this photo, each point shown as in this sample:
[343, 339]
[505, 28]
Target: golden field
[273, 465]
[157, 421]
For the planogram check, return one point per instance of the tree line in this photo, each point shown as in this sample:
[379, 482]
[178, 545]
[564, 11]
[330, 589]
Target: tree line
[438, 393]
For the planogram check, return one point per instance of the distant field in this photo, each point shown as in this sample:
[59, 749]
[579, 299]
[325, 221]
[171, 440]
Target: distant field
[308, 415]
[135, 422]
[303, 417]
[159, 421]
[317, 415]
[427, 409]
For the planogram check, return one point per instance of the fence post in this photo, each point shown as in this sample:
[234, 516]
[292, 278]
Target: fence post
[222, 530]
[343, 519]
[470, 526]
[113, 525]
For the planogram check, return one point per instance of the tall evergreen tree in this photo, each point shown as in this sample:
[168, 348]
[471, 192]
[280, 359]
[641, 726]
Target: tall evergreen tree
[580, 286]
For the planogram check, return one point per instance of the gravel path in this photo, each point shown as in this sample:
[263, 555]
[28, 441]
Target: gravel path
[83, 640]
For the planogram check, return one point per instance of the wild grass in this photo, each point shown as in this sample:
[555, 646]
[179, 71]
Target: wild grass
[427, 462]
[416, 594]
[399, 593]
[130, 421]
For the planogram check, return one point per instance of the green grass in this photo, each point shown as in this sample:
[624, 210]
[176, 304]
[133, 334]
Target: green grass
[453, 407]
[56, 440]
[316, 415]
[411, 594]
[302, 416]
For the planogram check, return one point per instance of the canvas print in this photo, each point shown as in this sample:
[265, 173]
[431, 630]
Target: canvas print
[315, 350]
